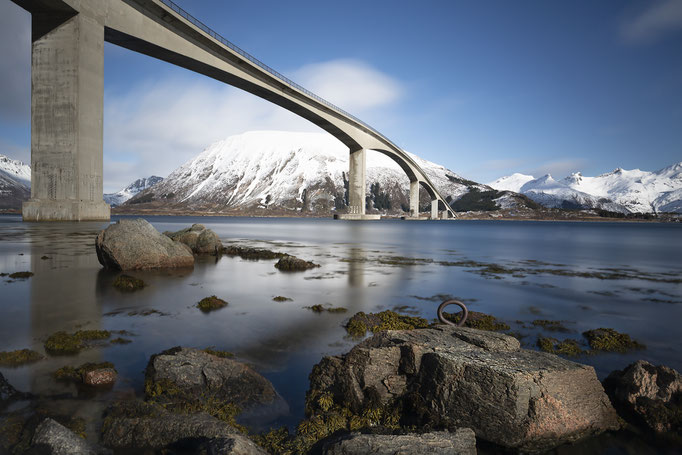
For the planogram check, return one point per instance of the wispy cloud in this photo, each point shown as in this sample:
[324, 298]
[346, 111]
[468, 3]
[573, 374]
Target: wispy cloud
[158, 125]
[659, 19]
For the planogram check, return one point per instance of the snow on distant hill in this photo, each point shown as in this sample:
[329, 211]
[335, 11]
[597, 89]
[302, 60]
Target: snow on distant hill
[15, 183]
[131, 190]
[624, 191]
[293, 171]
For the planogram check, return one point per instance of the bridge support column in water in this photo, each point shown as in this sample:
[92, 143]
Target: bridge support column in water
[414, 198]
[67, 71]
[357, 182]
[434, 209]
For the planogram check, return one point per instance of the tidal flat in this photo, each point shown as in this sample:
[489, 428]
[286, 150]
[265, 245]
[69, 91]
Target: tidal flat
[552, 280]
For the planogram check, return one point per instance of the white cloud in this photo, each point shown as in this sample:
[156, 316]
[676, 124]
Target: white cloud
[156, 126]
[661, 18]
[350, 84]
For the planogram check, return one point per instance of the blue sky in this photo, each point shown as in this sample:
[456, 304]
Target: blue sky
[485, 88]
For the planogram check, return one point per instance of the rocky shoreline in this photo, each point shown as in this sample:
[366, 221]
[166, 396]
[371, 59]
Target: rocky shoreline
[412, 387]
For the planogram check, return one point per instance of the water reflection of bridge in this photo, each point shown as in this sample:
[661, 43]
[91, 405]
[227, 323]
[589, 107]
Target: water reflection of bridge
[67, 99]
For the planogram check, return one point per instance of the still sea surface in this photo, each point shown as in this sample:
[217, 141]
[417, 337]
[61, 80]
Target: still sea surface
[624, 276]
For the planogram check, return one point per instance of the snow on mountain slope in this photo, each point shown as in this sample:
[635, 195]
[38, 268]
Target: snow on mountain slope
[512, 182]
[131, 190]
[284, 169]
[15, 183]
[619, 191]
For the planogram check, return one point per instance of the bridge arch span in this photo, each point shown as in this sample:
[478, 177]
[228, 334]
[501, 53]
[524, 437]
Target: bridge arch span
[160, 29]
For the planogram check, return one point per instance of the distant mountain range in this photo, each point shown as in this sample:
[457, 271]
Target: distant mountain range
[622, 191]
[282, 172]
[131, 190]
[15, 183]
[275, 170]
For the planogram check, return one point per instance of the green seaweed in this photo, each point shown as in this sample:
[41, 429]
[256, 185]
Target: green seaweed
[609, 340]
[480, 321]
[19, 357]
[64, 343]
[211, 303]
[281, 298]
[552, 326]
[76, 374]
[21, 275]
[362, 322]
[120, 340]
[128, 283]
[567, 347]
[219, 353]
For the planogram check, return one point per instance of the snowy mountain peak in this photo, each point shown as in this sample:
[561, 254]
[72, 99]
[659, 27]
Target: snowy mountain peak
[16, 170]
[512, 182]
[131, 190]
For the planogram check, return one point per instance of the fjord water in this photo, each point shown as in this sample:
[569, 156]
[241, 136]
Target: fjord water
[365, 266]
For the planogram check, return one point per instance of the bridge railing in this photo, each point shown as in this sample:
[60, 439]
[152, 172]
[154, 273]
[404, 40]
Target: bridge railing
[172, 5]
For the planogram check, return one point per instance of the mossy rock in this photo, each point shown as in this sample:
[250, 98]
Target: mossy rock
[552, 326]
[120, 340]
[362, 322]
[212, 303]
[64, 343]
[76, 374]
[281, 298]
[21, 275]
[19, 357]
[568, 347]
[219, 353]
[128, 283]
[609, 340]
[317, 308]
[294, 264]
[252, 253]
[480, 321]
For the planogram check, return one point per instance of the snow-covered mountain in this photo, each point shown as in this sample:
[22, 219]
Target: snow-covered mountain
[624, 191]
[131, 190]
[292, 171]
[15, 183]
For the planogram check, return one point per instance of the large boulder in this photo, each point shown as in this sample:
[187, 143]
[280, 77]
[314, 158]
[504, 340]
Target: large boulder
[135, 244]
[52, 438]
[648, 395]
[139, 426]
[199, 239]
[461, 442]
[193, 375]
[456, 377]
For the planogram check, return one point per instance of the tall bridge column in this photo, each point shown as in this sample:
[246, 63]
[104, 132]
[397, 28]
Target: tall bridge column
[434, 209]
[66, 122]
[414, 198]
[357, 182]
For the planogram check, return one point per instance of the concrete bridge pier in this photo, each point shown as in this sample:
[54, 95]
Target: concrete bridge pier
[414, 198]
[357, 185]
[434, 209]
[67, 71]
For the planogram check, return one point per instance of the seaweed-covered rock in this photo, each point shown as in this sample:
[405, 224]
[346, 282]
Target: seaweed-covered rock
[195, 375]
[199, 239]
[609, 340]
[454, 377]
[134, 425]
[294, 264]
[135, 244]
[19, 357]
[55, 439]
[246, 252]
[648, 395]
[460, 442]
[128, 283]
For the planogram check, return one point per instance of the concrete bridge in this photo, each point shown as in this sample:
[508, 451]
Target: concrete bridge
[67, 99]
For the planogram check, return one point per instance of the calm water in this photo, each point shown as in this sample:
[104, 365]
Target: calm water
[359, 271]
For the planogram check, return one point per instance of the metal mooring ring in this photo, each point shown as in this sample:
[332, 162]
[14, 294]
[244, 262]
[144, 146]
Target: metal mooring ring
[442, 318]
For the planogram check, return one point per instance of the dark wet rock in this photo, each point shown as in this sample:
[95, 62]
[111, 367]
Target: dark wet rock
[135, 244]
[451, 377]
[460, 442]
[245, 252]
[294, 264]
[8, 392]
[197, 375]
[134, 425]
[648, 395]
[199, 239]
[55, 439]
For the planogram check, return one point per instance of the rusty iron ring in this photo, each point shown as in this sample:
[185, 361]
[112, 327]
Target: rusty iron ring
[442, 318]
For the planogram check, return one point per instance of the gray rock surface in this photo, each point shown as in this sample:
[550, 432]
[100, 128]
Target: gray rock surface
[100, 377]
[649, 395]
[55, 439]
[461, 442]
[199, 375]
[135, 244]
[199, 239]
[456, 377]
[136, 425]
